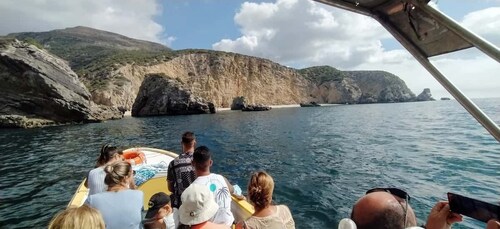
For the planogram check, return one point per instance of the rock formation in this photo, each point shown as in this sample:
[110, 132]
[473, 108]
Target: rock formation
[40, 89]
[381, 87]
[256, 107]
[238, 103]
[340, 92]
[113, 69]
[162, 95]
[425, 95]
[215, 76]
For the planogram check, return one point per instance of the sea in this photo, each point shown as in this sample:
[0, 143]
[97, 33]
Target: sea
[322, 159]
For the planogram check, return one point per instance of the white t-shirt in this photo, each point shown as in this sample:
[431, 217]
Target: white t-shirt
[217, 184]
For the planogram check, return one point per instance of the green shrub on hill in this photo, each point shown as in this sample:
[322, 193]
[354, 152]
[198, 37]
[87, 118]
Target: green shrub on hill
[321, 74]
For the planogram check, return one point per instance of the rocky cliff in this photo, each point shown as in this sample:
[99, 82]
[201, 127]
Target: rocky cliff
[220, 77]
[113, 68]
[40, 89]
[381, 87]
[334, 86]
[217, 77]
[425, 95]
[162, 95]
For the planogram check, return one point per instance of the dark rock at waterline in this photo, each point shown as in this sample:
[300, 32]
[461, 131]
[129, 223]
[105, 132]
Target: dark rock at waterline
[39, 89]
[425, 95]
[256, 107]
[161, 95]
[310, 104]
[238, 103]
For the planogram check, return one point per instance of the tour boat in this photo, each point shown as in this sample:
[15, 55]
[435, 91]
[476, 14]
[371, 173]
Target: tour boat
[158, 160]
[424, 31]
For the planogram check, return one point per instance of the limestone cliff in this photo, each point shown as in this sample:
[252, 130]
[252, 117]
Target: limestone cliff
[381, 87]
[113, 68]
[217, 77]
[220, 77]
[334, 86]
[40, 89]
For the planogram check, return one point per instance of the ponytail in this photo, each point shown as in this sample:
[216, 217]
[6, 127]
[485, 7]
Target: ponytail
[260, 190]
[116, 172]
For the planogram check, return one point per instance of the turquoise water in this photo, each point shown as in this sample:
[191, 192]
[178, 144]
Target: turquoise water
[322, 158]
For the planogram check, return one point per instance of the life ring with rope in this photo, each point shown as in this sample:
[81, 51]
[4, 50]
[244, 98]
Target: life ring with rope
[134, 157]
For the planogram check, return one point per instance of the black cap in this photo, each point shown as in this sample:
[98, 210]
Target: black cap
[156, 202]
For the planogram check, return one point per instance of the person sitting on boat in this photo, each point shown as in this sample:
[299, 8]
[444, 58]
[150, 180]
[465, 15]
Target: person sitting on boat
[198, 207]
[181, 173]
[266, 215]
[120, 206]
[159, 215]
[389, 208]
[82, 217]
[95, 177]
[218, 184]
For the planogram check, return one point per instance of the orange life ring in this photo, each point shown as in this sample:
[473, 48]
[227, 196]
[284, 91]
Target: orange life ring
[134, 157]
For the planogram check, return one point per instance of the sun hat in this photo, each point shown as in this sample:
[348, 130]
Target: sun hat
[198, 205]
[156, 202]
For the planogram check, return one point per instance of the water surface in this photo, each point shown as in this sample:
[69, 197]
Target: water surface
[322, 158]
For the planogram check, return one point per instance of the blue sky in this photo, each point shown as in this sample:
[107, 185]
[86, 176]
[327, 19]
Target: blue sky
[199, 24]
[295, 33]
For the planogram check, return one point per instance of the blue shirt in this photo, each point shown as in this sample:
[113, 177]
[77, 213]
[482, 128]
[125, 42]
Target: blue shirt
[120, 210]
[95, 181]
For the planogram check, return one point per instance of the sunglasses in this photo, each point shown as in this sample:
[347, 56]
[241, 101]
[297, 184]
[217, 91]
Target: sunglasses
[396, 192]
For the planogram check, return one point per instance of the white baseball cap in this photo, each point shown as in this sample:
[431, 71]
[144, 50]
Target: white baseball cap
[198, 205]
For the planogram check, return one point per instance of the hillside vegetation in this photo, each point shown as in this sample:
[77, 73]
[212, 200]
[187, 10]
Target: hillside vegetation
[88, 50]
[321, 74]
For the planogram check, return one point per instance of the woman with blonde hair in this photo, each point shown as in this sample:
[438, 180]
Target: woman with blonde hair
[120, 206]
[266, 215]
[78, 218]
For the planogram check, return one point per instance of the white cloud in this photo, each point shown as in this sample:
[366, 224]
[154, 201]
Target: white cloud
[474, 76]
[127, 17]
[301, 33]
[485, 22]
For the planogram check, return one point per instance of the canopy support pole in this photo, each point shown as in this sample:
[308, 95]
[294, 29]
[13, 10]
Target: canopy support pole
[474, 110]
[481, 44]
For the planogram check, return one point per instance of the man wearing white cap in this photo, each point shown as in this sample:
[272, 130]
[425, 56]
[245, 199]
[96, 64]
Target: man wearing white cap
[198, 207]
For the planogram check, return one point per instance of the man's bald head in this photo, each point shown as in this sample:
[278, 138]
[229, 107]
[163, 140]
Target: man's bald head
[382, 210]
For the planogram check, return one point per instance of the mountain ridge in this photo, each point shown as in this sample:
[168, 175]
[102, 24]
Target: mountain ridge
[113, 73]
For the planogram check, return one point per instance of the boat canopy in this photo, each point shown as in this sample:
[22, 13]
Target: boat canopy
[425, 32]
[423, 26]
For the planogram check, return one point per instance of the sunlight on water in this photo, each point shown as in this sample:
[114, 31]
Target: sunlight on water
[323, 159]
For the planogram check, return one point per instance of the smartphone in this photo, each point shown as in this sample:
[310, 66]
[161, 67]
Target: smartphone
[476, 209]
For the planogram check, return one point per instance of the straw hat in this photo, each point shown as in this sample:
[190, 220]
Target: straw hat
[198, 205]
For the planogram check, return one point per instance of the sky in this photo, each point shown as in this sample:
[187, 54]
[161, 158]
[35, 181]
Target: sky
[295, 33]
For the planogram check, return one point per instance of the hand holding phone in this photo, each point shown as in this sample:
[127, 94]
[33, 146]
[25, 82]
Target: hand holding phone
[473, 208]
